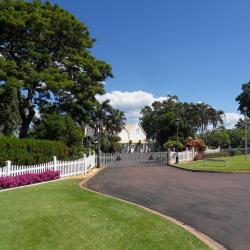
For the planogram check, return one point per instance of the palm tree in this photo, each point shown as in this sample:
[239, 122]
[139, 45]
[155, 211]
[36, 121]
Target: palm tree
[115, 121]
[205, 115]
[102, 111]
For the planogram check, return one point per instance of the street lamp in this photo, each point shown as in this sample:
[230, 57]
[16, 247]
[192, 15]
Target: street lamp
[177, 139]
[245, 116]
[98, 127]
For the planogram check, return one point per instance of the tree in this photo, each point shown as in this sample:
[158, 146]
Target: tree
[58, 127]
[236, 137]
[172, 144]
[9, 116]
[167, 128]
[241, 124]
[195, 118]
[201, 115]
[115, 121]
[110, 143]
[217, 138]
[45, 55]
[112, 122]
[244, 98]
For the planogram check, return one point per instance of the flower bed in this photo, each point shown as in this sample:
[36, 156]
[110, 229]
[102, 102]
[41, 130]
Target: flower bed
[27, 179]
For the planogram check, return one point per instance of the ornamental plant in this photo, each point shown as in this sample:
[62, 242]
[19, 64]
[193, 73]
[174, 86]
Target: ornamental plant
[27, 179]
[197, 144]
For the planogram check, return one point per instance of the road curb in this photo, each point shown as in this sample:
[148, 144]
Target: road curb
[208, 171]
[83, 182]
[201, 236]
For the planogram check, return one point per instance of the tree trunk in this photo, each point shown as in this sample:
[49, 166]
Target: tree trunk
[26, 121]
[26, 118]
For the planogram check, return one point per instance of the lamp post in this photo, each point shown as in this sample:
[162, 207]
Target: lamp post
[245, 116]
[177, 139]
[98, 127]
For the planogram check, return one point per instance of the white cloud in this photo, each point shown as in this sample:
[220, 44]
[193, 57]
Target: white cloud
[230, 119]
[130, 102]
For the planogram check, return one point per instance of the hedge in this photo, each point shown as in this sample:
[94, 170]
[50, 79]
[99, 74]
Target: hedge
[31, 151]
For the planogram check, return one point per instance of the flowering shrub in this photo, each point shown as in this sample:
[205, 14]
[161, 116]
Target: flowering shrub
[198, 157]
[197, 144]
[27, 179]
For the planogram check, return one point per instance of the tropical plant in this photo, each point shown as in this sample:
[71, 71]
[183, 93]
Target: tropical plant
[115, 121]
[172, 144]
[196, 144]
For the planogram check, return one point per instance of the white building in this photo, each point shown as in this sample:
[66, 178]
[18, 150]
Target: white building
[133, 138]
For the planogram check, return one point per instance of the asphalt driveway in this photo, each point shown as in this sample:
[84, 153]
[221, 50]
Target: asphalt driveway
[216, 204]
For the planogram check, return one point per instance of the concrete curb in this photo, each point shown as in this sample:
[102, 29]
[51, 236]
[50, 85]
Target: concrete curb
[92, 176]
[208, 171]
[201, 236]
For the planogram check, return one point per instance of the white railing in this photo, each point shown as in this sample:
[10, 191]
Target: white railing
[66, 168]
[211, 151]
[184, 156]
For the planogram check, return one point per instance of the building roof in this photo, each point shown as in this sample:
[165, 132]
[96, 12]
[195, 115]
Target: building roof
[129, 129]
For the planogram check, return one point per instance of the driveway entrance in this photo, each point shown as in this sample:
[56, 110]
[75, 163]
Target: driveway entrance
[216, 204]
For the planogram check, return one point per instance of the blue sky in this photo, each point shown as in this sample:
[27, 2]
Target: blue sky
[198, 50]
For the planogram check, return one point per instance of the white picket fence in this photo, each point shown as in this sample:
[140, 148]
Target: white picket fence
[86, 163]
[211, 151]
[184, 156]
[66, 168]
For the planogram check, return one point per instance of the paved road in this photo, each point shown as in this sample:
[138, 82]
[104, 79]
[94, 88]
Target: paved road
[215, 204]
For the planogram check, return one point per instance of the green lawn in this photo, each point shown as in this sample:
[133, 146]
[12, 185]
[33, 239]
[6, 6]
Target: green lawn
[61, 215]
[234, 163]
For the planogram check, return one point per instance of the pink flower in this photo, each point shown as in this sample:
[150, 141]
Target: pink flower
[27, 179]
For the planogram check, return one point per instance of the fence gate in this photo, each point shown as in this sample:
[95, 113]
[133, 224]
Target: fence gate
[134, 159]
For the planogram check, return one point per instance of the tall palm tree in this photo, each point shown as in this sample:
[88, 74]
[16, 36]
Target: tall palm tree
[115, 121]
[102, 111]
[207, 115]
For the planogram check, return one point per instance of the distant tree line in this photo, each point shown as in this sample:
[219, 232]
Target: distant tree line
[160, 121]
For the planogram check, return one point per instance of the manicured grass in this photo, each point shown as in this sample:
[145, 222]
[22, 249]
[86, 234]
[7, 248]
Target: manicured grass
[61, 215]
[234, 163]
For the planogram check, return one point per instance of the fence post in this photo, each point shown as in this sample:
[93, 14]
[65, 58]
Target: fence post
[8, 165]
[187, 155]
[55, 163]
[84, 164]
[192, 153]
[168, 155]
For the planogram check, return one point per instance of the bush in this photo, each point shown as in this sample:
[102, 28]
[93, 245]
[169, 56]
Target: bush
[197, 144]
[198, 157]
[172, 144]
[31, 151]
[238, 152]
[27, 179]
